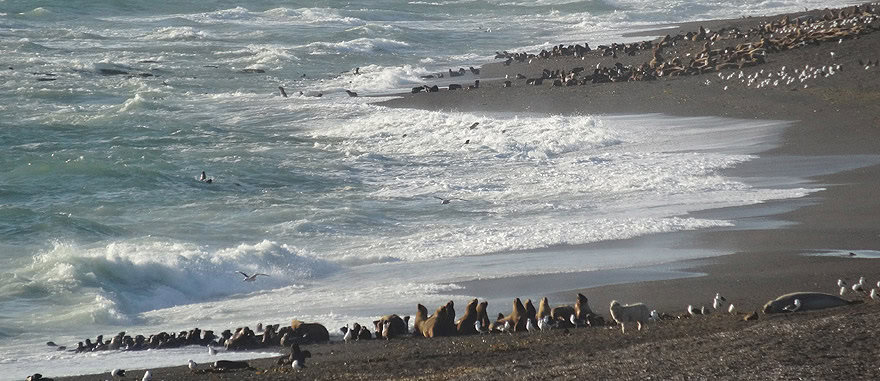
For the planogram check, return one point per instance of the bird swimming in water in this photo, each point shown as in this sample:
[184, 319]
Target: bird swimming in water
[251, 278]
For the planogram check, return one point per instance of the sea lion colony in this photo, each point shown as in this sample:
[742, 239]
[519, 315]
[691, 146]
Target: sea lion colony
[475, 320]
[750, 48]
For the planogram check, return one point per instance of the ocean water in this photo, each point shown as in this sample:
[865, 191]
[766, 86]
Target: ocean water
[104, 226]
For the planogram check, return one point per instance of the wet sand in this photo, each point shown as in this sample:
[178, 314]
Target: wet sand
[836, 119]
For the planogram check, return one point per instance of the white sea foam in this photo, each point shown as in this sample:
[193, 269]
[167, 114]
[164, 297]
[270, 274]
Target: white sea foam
[358, 45]
[185, 33]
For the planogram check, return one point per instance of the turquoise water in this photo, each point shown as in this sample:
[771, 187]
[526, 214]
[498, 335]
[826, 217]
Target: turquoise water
[110, 110]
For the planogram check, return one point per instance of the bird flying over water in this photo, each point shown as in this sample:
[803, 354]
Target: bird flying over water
[251, 278]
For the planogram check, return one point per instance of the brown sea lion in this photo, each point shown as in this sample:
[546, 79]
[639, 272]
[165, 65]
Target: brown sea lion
[435, 325]
[449, 319]
[531, 313]
[580, 309]
[310, 332]
[482, 315]
[517, 317]
[397, 326]
[465, 325]
[421, 317]
[543, 308]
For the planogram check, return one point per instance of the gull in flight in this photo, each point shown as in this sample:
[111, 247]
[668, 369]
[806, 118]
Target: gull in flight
[251, 278]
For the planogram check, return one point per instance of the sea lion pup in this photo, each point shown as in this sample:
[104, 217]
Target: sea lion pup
[638, 313]
[397, 326]
[465, 325]
[310, 332]
[517, 317]
[482, 315]
[543, 308]
[809, 301]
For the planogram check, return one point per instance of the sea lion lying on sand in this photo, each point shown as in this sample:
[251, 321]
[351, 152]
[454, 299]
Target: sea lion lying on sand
[809, 301]
[310, 332]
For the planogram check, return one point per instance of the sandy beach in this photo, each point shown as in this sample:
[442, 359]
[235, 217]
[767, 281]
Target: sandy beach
[834, 137]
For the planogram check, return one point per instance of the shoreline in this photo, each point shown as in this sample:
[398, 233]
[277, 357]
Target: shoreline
[765, 262]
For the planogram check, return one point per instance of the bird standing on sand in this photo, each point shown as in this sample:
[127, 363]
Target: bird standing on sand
[704, 310]
[842, 290]
[251, 278]
[718, 302]
[858, 287]
[655, 316]
[147, 376]
[211, 350]
[731, 309]
[478, 325]
[117, 373]
[298, 357]
[507, 328]
[874, 295]
[841, 283]
[348, 334]
[192, 365]
[544, 323]
[693, 311]
[530, 326]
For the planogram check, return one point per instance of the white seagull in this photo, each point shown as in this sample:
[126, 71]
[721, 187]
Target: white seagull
[211, 350]
[874, 294]
[731, 309]
[507, 327]
[348, 334]
[842, 290]
[544, 323]
[857, 287]
[147, 376]
[878, 284]
[192, 365]
[841, 283]
[478, 325]
[693, 311]
[251, 278]
[296, 365]
[530, 326]
[704, 310]
[655, 316]
[117, 373]
[718, 302]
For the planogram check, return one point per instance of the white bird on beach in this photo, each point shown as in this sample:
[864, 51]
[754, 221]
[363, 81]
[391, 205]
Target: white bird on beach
[704, 310]
[718, 302]
[117, 373]
[793, 308]
[507, 327]
[530, 326]
[211, 351]
[874, 294]
[693, 311]
[349, 335]
[573, 320]
[147, 376]
[731, 309]
[544, 323]
[478, 325]
[192, 365]
[655, 316]
[841, 283]
[878, 284]
[858, 287]
[842, 290]
[296, 365]
[251, 278]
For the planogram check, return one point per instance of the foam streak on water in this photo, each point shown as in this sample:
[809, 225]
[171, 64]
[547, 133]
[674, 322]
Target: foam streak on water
[110, 110]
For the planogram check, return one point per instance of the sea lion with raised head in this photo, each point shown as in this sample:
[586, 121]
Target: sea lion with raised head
[531, 313]
[482, 315]
[465, 325]
[517, 317]
[809, 301]
[543, 308]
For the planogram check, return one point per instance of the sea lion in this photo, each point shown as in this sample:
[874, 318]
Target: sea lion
[421, 317]
[580, 309]
[543, 308]
[310, 332]
[809, 301]
[434, 326]
[416, 90]
[507, 84]
[517, 317]
[482, 315]
[351, 93]
[465, 325]
[454, 86]
[531, 313]
[397, 326]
